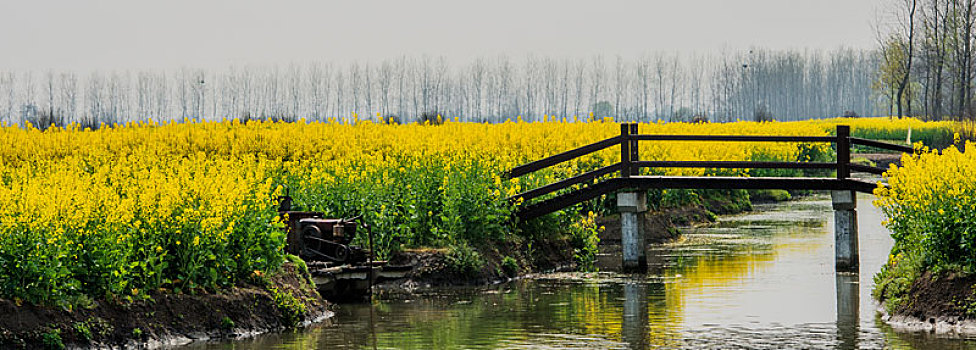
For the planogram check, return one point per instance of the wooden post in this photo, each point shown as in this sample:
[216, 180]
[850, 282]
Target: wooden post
[631, 206]
[844, 203]
[624, 150]
[843, 152]
[634, 153]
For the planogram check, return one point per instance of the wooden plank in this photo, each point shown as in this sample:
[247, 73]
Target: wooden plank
[843, 152]
[863, 186]
[634, 150]
[746, 138]
[570, 198]
[562, 157]
[688, 182]
[624, 151]
[735, 165]
[747, 183]
[882, 145]
[585, 177]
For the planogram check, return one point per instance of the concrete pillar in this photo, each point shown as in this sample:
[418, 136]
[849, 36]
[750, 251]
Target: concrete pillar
[631, 205]
[845, 230]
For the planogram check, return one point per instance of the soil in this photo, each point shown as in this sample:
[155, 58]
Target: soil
[163, 320]
[659, 226]
[938, 304]
[881, 160]
[433, 268]
[932, 297]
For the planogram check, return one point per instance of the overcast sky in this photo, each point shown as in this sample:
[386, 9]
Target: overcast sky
[131, 34]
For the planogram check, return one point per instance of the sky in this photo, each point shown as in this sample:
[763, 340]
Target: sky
[135, 34]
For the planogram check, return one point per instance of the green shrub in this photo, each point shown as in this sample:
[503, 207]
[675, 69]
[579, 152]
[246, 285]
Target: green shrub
[226, 323]
[510, 266]
[52, 339]
[83, 330]
[292, 309]
[584, 238]
[770, 195]
[464, 260]
[893, 282]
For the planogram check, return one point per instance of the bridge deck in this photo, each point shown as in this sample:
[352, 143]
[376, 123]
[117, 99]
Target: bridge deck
[692, 182]
[748, 183]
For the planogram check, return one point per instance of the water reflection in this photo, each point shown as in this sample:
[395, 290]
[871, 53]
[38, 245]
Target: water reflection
[762, 280]
[848, 300]
[635, 320]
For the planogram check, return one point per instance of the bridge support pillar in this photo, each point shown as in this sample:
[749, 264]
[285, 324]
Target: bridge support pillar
[845, 230]
[631, 206]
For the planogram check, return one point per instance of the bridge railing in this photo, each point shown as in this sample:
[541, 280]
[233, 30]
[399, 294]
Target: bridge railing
[630, 163]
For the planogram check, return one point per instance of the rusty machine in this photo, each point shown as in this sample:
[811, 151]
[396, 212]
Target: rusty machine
[340, 270]
[315, 238]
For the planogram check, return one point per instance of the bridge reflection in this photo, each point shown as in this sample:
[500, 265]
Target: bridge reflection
[848, 304]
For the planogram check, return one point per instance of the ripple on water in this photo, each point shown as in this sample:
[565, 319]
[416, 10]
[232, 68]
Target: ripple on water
[804, 336]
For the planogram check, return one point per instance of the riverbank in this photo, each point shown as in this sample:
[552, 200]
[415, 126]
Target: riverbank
[746, 281]
[942, 303]
[284, 299]
[928, 280]
[497, 262]
[473, 266]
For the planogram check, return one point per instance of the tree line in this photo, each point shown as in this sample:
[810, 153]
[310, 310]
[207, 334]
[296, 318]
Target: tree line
[928, 62]
[756, 84]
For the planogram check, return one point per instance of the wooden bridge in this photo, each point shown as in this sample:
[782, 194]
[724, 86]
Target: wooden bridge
[632, 185]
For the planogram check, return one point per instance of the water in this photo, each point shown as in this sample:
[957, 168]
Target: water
[763, 280]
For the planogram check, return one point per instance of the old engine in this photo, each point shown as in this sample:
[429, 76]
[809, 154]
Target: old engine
[313, 237]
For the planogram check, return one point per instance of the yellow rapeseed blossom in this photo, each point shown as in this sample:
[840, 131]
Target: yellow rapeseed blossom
[930, 204]
[145, 205]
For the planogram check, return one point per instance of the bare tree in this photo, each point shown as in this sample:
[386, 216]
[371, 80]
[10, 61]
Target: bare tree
[727, 86]
[907, 30]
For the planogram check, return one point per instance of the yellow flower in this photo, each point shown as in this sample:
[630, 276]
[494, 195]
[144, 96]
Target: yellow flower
[136, 184]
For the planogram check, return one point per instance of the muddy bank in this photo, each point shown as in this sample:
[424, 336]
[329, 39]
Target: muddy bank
[285, 299]
[492, 263]
[881, 160]
[659, 226]
[498, 262]
[503, 261]
[944, 304]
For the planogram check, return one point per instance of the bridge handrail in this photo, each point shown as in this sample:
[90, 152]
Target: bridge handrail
[882, 145]
[630, 164]
[562, 157]
[556, 186]
[747, 138]
[733, 164]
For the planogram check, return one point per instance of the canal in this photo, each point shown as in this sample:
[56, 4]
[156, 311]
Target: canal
[761, 280]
